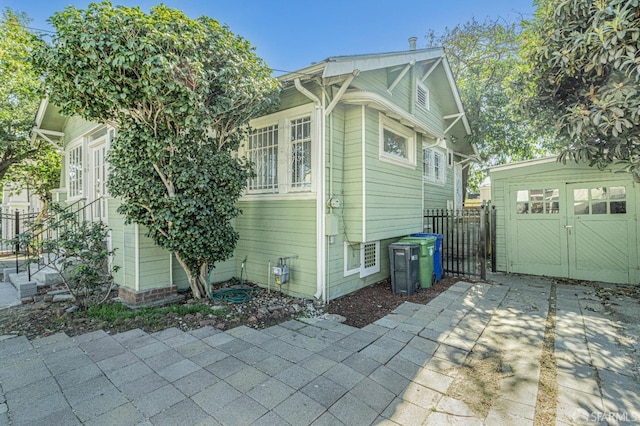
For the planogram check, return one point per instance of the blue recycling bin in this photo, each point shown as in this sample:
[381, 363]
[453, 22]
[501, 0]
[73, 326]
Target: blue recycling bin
[437, 256]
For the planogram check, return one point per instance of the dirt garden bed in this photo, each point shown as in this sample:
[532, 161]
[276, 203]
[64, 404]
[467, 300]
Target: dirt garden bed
[360, 308]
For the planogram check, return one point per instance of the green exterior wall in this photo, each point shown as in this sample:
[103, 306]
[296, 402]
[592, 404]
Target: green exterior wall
[280, 228]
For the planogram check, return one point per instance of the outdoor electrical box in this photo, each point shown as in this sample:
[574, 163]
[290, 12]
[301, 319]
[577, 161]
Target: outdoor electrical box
[404, 264]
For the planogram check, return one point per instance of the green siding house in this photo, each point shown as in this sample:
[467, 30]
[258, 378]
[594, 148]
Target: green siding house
[566, 220]
[359, 147]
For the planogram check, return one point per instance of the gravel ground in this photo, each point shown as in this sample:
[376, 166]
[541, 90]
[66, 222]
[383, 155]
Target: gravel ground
[360, 308]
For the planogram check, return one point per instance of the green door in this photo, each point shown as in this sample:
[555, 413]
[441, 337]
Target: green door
[601, 231]
[538, 242]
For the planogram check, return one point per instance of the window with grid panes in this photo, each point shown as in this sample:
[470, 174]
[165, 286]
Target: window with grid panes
[262, 151]
[301, 152]
[433, 169]
[75, 169]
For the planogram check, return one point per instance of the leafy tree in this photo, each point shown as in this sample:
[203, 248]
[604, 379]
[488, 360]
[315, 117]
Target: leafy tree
[181, 92]
[20, 91]
[38, 174]
[484, 61]
[582, 59]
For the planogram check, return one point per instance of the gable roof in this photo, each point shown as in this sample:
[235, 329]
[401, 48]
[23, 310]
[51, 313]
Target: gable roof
[349, 64]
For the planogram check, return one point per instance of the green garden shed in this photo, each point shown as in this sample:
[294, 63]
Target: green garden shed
[566, 220]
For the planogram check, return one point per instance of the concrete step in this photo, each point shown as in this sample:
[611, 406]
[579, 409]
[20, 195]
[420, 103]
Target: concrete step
[47, 276]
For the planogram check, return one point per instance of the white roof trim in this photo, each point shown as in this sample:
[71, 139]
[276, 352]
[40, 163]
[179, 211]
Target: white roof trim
[42, 109]
[524, 163]
[456, 94]
[360, 97]
[347, 64]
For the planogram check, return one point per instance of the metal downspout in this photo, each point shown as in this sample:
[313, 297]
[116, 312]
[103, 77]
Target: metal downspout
[321, 291]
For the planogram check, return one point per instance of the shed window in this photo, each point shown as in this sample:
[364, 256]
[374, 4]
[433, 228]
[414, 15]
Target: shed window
[538, 201]
[600, 200]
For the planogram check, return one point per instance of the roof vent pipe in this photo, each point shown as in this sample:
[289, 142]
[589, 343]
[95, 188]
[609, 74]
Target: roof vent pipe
[412, 43]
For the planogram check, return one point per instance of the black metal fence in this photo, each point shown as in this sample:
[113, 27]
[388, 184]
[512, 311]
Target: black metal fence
[468, 239]
[13, 223]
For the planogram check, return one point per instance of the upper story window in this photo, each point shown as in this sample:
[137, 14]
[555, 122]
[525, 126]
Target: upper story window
[75, 168]
[422, 95]
[281, 149]
[433, 165]
[397, 142]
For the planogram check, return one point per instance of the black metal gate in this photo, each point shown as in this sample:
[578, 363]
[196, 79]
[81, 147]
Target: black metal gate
[467, 239]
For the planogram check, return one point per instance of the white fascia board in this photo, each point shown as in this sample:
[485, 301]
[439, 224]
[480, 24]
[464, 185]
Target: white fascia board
[42, 108]
[363, 97]
[525, 163]
[348, 64]
[456, 94]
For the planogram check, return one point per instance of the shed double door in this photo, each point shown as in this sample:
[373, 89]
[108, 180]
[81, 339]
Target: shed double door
[582, 231]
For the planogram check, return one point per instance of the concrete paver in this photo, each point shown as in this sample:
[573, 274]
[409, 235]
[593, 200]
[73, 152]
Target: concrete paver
[315, 371]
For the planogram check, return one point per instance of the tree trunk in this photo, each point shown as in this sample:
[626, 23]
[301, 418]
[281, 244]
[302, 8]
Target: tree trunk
[195, 281]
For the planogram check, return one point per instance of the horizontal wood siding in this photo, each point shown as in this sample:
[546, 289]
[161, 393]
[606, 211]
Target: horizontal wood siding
[155, 263]
[394, 197]
[351, 184]
[77, 127]
[280, 228]
[498, 200]
[436, 195]
[123, 243]
[338, 284]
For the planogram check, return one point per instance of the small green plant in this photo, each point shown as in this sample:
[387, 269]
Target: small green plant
[78, 251]
[112, 312]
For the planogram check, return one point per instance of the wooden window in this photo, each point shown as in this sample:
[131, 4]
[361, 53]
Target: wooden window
[600, 200]
[262, 151]
[538, 201]
[75, 172]
[361, 257]
[301, 152]
[397, 142]
[433, 170]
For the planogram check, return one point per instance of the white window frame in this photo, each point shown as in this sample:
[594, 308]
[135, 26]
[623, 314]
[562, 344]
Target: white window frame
[75, 152]
[348, 245]
[284, 187]
[361, 269]
[400, 130]
[273, 188]
[426, 103]
[429, 172]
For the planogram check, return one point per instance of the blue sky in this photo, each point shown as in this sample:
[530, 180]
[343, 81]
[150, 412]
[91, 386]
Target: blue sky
[291, 35]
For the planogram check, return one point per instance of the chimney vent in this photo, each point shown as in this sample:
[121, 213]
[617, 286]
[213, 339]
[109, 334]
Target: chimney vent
[412, 43]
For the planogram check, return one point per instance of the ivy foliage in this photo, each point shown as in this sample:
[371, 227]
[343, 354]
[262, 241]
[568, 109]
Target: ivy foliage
[181, 93]
[484, 61]
[584, 68]
[20, 91]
